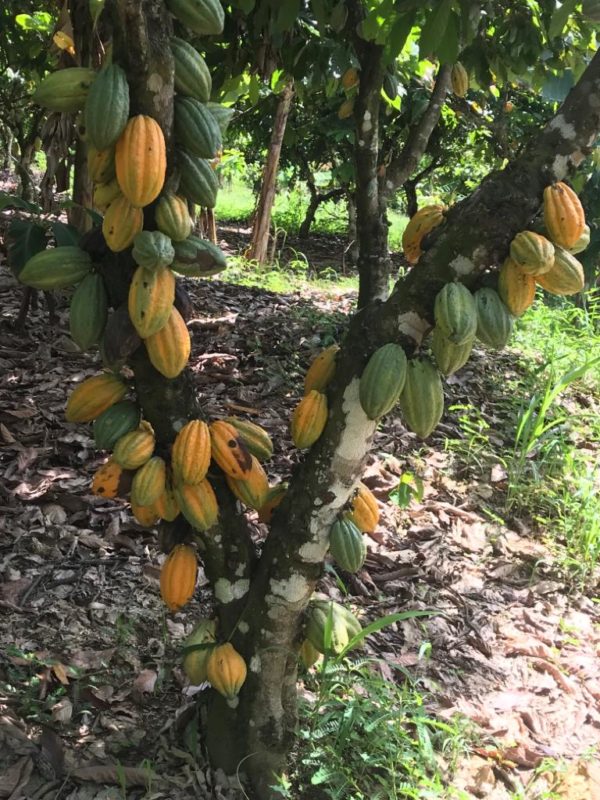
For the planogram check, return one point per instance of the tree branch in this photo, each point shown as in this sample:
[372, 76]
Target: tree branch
[402, 167]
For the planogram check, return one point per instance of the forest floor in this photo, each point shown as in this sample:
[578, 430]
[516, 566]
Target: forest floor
[92, 694]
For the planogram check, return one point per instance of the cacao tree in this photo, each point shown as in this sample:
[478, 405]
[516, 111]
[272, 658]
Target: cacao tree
[151, 139]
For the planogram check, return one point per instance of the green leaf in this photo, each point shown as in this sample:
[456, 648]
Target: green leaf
[449, 46]
[384, 622]
[64, 234]
[434, 28]
[560, 18]
[288, 14]
[338, 17]
[25, 239]
[96, 7]
[398, 35]
[13, 201]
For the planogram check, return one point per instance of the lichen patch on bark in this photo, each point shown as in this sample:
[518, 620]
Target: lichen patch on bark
[293, 590]
[560, 166]
[413, 325]
[357, 431]
[567, 130]
[227, 591]
[462, 265]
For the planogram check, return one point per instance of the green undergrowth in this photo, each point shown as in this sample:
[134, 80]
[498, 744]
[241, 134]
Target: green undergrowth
[293, 276]
[363, 736]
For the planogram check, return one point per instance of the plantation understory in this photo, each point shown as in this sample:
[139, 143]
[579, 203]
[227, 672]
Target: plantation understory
[91, 686]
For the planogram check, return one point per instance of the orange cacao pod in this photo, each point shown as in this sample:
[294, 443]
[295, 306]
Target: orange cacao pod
[253, 488]
[365, 509]
[229, 450]
[147, 516]
[274, 498]
[107, 480]
[419, 225]
[122, 223]
[516, 288]
[226, 670]
[321, 370]
[141, 160]
[93, 396]
[190, 456]
[169, 348]
[198, 504]
[533, 253]
[309, 419]
[178, 576]
[564, 217]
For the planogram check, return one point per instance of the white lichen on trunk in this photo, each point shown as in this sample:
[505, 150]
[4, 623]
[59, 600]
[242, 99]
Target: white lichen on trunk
[462, 265]
[293, 590]
[413, 325]
[227, 591]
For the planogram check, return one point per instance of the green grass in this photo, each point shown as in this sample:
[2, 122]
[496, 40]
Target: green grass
[294, 276]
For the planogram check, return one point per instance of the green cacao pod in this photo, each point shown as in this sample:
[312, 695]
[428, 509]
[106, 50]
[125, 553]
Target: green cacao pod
[198, 504]
[151, 296]
[149, 482]
[533, 253]
[192, 76]
[198, 258]
[152, 250]
[114, 423]
[223, 115]
[197, 649]
[322, 369]
[449, 357]
[382, 380]
[135, 448]
[88, 311]
[256, 439]
[205, 17]
[173, 218]
[347, 545]
[107, 107]
[196, 129]
[455, 313]
[343, 626]
[494, 321]
[198, 179]
[65, 90]
[56, 268]
[422, 399]
[566, 276]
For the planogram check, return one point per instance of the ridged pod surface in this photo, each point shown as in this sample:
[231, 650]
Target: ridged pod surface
[169, 349]
[419, 225]
[566, 276]
[196, 130]
[494, 321]
[347, 545]
[190, 456]
[198, 179]
[582, 243]
[141, 160]
[56, 268]
[173, 218]
[88, 311]
[226, 670]
[455, 313]
[107, 107]
[253, 489]
[65, 90]
[229, 449]
[122, 222]
[256, 439]
[459, 78]
[192, 76]
[105, 193]
[150, 301]
[198, 504]
[322, 369]
[101, 164]
[564, 216]
[350, 78]
[449, 357]
[134, 448]
[146, 516]
[516, 288]
[382, 380]
[166, 506]
[422, 399]
[309, 419]
[365, 509]
[152, 250]
[149, 482]
[107, 480]
[274, 498]
[205, 17]
[114, 423]
[88, 400]
[195, 660]
[533, 253]
[309, 655]
[344, 626]
[198, 258]
[178, 577]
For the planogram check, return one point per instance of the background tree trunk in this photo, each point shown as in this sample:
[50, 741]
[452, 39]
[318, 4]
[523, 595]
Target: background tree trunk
[262, 218]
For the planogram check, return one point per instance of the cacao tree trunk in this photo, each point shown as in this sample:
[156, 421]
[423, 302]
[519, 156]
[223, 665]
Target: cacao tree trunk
[262, 218]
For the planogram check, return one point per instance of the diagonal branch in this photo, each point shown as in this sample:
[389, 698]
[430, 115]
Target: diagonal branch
[402, 167]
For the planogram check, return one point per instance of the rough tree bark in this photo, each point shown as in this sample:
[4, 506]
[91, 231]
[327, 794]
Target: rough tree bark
[262, 217]
[260, 600]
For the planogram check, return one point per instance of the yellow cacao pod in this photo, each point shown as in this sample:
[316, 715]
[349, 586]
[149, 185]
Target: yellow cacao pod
[198, 504]
[350, 78]
[309, 655]
[253, 488]
[146, 516]
[122, 223]
[166, 506]
[105, 193]
[195, 660]
[169, 348]
[141, 160]
[151, 298]
[564, 217]
[134, 448]
[515, 287]
[178, 576]
[93, 396]
[459, 78]
[149, 482]
[365, 509]
[101, 164]
[107, 480]
[309, 419]
[229, 449]
[226, 670]
[565, 277]
[419, 225]
[322, 369]
[533, 253]
[190, 456]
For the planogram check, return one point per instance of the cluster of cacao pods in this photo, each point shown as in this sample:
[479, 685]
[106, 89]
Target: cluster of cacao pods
[207, 660]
